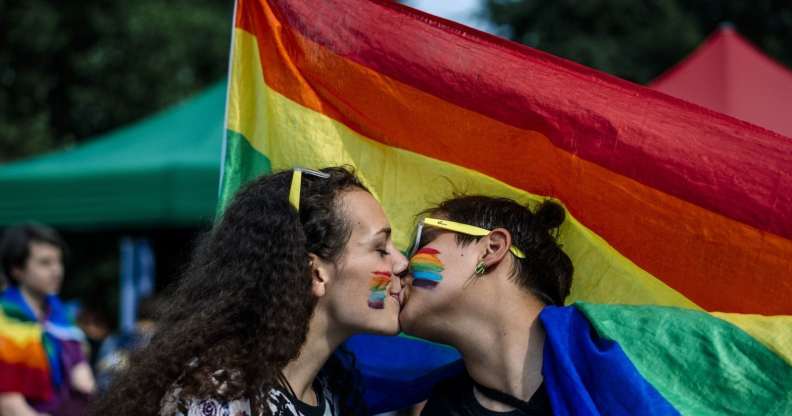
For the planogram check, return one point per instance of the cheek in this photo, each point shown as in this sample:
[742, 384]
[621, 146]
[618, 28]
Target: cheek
[426, 268]
[378, 286]
[34, 275]
[362, 283]
[40, 279]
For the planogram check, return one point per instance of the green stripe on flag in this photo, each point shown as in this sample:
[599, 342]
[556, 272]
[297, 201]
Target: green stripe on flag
[242, 164]
[701, 364]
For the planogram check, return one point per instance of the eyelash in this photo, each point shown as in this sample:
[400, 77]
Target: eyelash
[382, 252]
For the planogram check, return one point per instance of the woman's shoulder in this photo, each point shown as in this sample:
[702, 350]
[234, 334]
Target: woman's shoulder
[283, 403]
[207, 407]
[279, 402]
[177, 402]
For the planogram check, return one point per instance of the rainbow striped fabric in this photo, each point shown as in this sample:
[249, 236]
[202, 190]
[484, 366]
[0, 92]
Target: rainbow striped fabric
[30, 351]
[670, 204]
[640, 360]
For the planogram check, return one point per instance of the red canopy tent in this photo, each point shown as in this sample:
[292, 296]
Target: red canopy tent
[730, 75]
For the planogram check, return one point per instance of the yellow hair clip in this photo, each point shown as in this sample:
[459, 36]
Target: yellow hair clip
[466, 229]
[296, 184]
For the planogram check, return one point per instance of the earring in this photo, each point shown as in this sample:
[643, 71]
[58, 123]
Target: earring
[480, 268]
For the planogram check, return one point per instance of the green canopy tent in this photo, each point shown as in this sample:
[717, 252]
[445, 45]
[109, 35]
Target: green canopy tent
[163, 170]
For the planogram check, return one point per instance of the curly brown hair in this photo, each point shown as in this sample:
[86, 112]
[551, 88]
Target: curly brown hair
[240, 313]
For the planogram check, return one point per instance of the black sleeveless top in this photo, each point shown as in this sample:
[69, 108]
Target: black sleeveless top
[454, 397]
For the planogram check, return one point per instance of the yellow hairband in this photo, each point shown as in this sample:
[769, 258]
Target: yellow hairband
[296, 184]
[462, 229]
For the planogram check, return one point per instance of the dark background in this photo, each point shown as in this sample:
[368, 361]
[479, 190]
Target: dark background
[638, 40]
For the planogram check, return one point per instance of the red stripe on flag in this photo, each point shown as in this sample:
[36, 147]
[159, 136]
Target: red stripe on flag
[712, 160]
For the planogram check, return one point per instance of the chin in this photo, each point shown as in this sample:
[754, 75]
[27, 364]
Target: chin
[382, 320]
[389, 327]
[406, 320]
[414, 322]
[53, 290]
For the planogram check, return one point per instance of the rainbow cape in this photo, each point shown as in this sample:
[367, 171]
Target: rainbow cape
[30, 351]
[657, 360]
[669, 204]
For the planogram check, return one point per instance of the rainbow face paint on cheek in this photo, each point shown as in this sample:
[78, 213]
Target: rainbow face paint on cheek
[378, 285]
[426, 268]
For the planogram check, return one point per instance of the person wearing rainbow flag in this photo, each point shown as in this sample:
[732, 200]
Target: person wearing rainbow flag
[481, 271]
[489, 278]
[43, 369]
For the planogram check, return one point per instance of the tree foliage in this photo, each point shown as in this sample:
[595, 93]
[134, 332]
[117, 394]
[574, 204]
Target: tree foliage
[73, 69]
[638, 40]
[70, 70]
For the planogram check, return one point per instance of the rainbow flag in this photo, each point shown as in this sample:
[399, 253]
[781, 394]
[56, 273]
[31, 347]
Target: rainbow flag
[30, 351]
[669, 204]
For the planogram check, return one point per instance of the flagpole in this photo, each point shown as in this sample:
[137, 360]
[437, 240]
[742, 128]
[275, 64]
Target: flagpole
[224, 147]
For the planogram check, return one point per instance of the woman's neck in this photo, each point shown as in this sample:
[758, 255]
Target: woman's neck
[505, 351]
[322, 340]
[35, 301]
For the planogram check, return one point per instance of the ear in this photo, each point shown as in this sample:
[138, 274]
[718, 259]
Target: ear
[496, 247]
[320, 274]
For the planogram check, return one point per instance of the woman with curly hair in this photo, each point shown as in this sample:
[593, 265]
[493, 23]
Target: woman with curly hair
[300, 261]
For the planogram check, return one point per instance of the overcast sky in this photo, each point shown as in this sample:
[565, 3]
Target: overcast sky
[460, 11]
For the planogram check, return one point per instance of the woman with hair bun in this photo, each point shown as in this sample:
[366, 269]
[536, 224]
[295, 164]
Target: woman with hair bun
[481, 271]
[488, 276]
[300, 261]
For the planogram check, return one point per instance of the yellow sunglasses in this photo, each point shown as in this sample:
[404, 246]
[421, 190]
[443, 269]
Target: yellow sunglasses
[296, 184]
[456, 227]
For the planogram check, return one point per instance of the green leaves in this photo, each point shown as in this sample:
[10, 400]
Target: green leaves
[72, 70]
[639, 40]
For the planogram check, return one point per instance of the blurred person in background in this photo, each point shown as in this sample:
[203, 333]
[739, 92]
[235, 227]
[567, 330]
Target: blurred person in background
[113, 355]
[43, 369]
[96, 327]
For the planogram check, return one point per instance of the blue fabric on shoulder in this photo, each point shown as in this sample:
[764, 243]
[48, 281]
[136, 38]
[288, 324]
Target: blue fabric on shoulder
[399, 371]
[588, 375]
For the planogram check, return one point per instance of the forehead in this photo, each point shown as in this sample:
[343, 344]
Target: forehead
[364, 212]
[42, 249]
[438, 237]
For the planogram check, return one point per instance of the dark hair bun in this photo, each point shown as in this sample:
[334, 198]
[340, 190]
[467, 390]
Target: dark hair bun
[549, 215]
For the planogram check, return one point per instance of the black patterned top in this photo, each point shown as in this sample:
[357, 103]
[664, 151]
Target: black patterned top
[280, 403]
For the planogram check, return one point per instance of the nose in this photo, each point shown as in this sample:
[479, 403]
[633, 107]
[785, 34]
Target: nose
[399, 270]
[400, 263]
